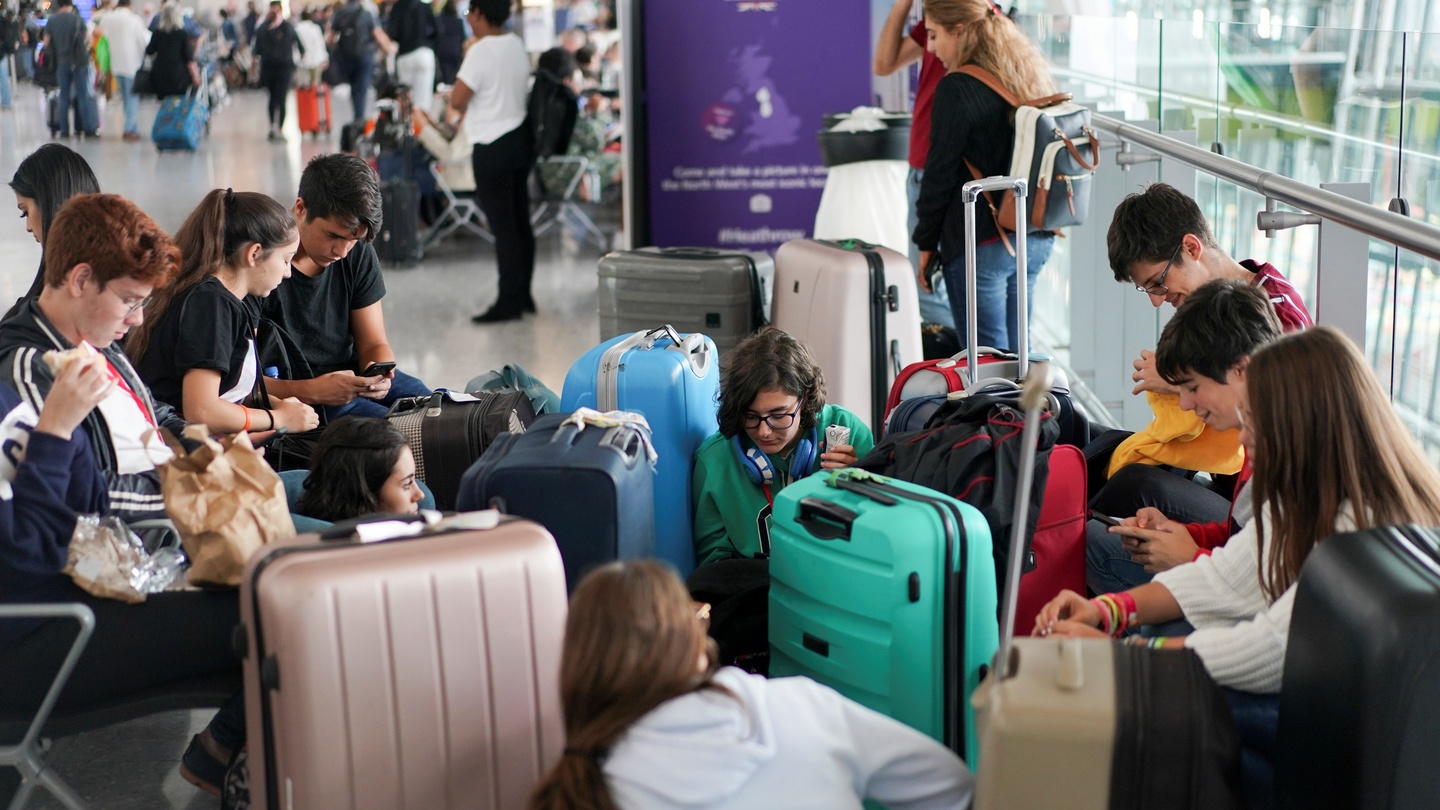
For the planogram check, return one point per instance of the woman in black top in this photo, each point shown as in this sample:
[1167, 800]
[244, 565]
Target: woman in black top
[970, 123]
[275, 44]
[43, 182]
[174, 71]
[196, 348]
[449, 42]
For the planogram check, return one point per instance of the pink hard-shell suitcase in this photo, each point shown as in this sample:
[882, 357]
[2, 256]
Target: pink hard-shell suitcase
[857, 307]
[414, 673]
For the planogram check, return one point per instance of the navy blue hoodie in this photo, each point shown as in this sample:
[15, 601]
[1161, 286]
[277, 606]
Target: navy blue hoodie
[45, 481]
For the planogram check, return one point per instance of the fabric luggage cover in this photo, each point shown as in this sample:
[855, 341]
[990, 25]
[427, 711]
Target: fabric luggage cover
[856, 306]
[180, 124]
[413, 673]
[724, 294]
[885, 591]
[1358, 709]
[673, 380]
[447, 431]
[591, 489]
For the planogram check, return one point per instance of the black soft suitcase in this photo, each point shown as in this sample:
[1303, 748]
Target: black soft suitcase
[447, 431]
[593, 489]
[1360, 702]
[399, 239]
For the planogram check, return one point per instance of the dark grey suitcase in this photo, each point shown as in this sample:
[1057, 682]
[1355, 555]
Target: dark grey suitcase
[1360, 703]
[724, 294]
[399, 239]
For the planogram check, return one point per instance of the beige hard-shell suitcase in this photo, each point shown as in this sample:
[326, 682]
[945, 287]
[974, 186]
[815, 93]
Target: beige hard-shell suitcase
[857, 307]
[417, 673]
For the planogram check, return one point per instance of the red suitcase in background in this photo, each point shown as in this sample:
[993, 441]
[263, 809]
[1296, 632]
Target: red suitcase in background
[1059, 542]
[312, 108]
[420, 673]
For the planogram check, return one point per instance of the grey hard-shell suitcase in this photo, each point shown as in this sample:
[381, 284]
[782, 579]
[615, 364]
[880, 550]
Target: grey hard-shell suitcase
[722, 293]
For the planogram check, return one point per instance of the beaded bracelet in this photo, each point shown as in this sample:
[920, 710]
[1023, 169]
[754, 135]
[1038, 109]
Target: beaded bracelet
[1117, 612]
[1156, 643]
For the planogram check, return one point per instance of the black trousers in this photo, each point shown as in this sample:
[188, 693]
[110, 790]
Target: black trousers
[502, 178]
[276, 81]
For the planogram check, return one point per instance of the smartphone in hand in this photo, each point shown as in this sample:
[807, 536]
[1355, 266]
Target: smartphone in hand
[1104, 518]
[378, 370]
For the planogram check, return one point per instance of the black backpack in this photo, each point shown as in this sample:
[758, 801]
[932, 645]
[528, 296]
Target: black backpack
[350, 40]
[551, 112]
[970, 450]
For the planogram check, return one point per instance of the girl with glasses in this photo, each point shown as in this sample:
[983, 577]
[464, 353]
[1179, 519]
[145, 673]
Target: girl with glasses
[773, 421]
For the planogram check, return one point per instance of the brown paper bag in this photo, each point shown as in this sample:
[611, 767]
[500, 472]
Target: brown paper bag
[226, 502]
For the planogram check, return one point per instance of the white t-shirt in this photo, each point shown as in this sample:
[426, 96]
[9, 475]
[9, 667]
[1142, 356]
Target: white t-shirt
[497, 70]
[128, 37]
[128, 424]
[313, 38]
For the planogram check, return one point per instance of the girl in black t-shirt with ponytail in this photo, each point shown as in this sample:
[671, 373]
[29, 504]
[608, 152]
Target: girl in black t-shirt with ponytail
[196, 348]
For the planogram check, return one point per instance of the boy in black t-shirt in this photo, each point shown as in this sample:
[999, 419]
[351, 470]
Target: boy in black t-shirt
[330, 304]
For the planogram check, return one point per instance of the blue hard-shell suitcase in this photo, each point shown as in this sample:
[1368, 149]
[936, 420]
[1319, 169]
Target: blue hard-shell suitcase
[673, 380]
[590, 488]
[885, 591]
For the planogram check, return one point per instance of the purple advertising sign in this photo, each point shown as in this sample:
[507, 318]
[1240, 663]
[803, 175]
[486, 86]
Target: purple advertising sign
[736, 90]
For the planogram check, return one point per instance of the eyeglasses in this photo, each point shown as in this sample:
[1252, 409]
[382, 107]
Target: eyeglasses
[131, 309]
[1158, 288]
[776, 421]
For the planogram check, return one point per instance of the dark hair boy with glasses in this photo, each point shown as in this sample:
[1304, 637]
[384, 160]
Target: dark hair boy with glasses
[1159, 242]
[774, 423]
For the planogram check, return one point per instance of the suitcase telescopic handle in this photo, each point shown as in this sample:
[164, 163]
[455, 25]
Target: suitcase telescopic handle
[969, 194]
[1032, 399]
[825, 520]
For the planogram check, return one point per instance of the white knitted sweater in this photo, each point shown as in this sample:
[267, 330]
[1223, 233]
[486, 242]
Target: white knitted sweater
[1237, 634]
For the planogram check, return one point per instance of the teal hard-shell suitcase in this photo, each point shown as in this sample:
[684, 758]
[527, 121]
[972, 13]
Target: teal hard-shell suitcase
[885, 591]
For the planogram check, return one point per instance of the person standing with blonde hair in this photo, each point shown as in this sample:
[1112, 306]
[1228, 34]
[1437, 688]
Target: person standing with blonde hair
[972, 131]
[650, 722]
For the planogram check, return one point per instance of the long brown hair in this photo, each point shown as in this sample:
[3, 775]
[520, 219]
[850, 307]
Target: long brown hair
[993, 41]
[216, 233]
[1325, 436]
[632, 642]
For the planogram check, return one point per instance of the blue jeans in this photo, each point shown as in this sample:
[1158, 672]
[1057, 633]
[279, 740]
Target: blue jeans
[357, 75]
[5, 81]
[402, 386]
[995, 288]
[1256, 717]
[74, 83]
[130, 101]
[934, 305]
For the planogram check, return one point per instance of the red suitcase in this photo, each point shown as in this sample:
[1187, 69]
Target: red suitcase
[409, 673]
[312, 108]
[1059, 541]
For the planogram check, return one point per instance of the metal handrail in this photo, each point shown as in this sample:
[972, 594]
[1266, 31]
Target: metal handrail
[1380, 223]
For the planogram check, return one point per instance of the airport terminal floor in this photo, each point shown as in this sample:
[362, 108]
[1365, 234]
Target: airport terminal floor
[132, 766]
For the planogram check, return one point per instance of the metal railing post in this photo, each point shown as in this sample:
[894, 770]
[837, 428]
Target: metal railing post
[1343, 272]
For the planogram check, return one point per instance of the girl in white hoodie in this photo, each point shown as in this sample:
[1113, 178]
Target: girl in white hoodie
[650, 722]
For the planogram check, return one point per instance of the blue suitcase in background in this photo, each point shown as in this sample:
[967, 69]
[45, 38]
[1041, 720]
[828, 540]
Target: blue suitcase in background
[885, 591]
[674, 381]
[180, 124]
[592, 489]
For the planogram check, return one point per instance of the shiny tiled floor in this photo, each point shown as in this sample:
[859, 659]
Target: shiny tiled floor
[428, 309]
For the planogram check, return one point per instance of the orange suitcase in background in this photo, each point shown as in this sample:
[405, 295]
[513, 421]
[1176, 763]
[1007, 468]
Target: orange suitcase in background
[312, 108]
[416, 673]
